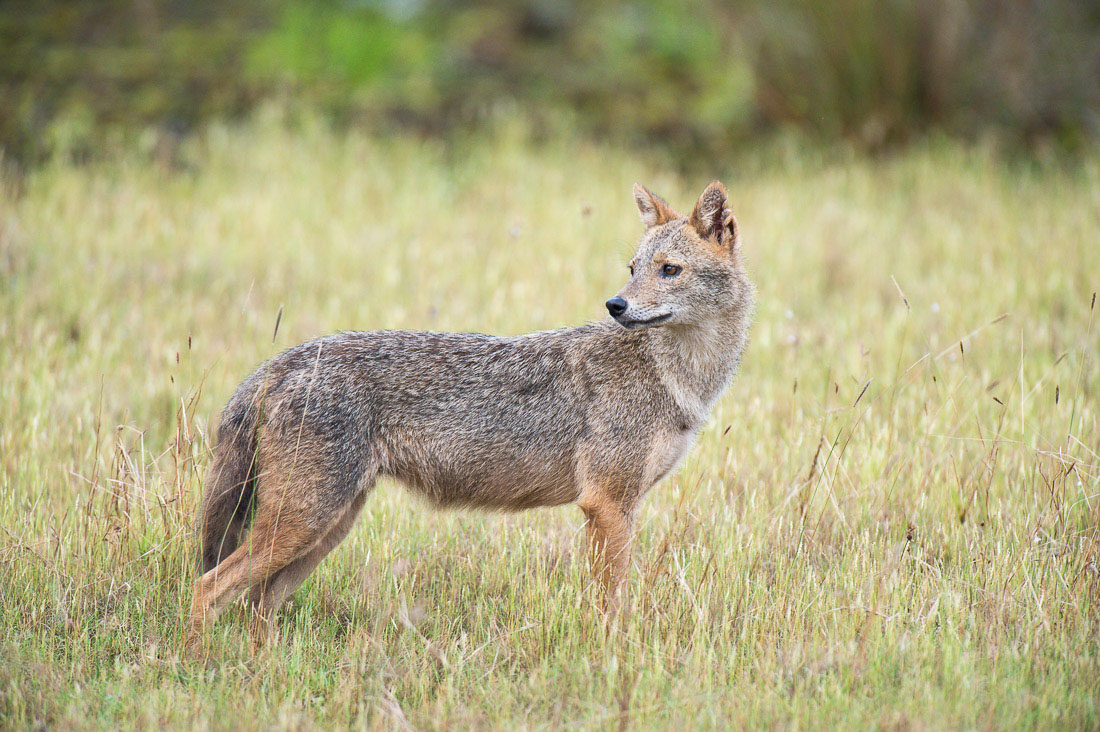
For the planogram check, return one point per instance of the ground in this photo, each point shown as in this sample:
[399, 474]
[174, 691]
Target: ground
[892, 517]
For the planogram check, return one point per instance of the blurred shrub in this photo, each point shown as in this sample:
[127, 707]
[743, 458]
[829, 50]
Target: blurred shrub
[71, 70]
[696, 78]
[881, 70]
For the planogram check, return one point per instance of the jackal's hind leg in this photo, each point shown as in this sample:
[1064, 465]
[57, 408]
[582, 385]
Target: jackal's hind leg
[269, 594]
[268, 548]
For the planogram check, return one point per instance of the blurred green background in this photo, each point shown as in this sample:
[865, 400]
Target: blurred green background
[692, 79]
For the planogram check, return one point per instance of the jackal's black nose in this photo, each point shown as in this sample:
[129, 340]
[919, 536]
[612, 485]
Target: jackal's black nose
[616, 306]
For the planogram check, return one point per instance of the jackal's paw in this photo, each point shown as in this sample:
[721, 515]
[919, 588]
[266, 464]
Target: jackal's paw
[261, 633]
[193, 646]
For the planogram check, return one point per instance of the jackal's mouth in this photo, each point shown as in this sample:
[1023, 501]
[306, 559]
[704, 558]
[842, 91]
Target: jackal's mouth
[631, 324]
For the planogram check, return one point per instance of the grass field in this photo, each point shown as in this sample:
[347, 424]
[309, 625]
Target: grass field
[892, 518]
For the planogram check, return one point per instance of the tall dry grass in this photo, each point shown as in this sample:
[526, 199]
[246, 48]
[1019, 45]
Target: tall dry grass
[890, 520]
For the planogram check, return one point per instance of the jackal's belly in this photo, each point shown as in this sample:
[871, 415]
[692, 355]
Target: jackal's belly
[486, 474]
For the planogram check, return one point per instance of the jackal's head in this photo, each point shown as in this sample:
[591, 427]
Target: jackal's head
[686, 270]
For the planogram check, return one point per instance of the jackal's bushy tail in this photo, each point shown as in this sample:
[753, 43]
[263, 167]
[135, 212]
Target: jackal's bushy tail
[227, 502]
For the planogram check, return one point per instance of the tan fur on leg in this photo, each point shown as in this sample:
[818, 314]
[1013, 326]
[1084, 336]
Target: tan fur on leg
[265, 551]
[267, 596]
[610, 534]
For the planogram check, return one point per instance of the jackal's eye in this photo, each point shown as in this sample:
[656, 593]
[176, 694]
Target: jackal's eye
[631, 267]
[670, 270]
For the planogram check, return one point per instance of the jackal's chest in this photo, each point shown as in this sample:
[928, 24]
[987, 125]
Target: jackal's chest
[665, 452]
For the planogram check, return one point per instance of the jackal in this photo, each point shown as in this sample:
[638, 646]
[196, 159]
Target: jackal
[593, 415]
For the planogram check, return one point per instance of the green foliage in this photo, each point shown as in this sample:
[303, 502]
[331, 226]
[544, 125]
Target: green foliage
[694, 79]
[353, 47]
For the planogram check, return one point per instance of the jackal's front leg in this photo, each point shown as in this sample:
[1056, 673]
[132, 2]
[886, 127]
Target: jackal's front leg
[610, 533]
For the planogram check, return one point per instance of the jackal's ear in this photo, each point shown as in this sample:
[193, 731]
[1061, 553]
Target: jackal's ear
[712, 217]
[652, 207]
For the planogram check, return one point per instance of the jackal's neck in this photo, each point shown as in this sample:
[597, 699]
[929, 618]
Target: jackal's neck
[696, 362]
